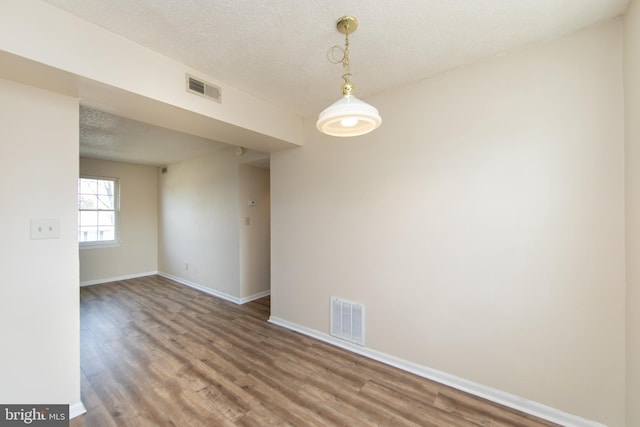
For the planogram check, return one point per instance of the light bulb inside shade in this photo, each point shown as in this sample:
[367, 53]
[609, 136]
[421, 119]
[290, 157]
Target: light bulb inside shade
[348, 117]
[349, 122]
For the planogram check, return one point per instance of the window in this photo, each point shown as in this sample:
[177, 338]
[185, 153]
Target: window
[97, 211]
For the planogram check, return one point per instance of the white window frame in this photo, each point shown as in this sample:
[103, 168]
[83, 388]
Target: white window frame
[116, 210]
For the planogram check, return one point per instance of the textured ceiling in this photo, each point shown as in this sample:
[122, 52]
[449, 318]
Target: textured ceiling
[276, 50]
[109, 137]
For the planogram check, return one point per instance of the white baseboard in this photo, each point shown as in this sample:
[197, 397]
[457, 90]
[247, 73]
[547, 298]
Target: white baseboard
[76, 409]
[215, 293]
[255, 296]
[114, 279]
[493, 395]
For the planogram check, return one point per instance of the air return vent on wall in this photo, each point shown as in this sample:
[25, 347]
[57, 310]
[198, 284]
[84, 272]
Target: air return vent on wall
[203, 88]
[347, 320]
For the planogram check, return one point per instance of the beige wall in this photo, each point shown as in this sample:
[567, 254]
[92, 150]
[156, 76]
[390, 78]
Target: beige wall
[39, 310]
[255, 238]
[200, 221]
[137, 253]
[632, 133]
[482, 225]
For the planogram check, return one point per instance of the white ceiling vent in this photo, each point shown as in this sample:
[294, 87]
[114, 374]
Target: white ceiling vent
[202, 88]
[347, 320]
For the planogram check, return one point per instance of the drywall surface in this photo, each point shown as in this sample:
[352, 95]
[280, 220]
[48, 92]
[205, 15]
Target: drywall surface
[255, 230]
[39, 301]
[482, 225]
[632, 134]
[137, 252]
[199, 220]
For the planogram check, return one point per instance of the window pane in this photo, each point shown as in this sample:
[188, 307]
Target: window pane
[106, 233]
[106, 218]
[88, 234]
[105, 202]
[88, 186]
[87, 201]
[88, 218]
[105, 187]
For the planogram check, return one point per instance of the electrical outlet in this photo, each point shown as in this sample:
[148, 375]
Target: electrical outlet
[186, 266]
[45, 228]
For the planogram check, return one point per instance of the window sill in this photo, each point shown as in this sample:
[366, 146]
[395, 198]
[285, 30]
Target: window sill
[98, 245]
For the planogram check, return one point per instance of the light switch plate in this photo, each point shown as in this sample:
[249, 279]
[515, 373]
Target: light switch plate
[45, 228]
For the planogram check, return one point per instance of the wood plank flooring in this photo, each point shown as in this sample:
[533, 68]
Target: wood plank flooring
[156, 353]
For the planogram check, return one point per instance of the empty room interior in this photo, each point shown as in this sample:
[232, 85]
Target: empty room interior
[321, 213]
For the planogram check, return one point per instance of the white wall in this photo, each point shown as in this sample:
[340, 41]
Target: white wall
[39, 309]
[632, 133]
[137, 253]
[482, 225]
[199, 221]
[255, 233]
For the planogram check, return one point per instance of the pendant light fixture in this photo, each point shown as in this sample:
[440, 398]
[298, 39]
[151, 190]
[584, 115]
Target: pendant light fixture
[348, 116]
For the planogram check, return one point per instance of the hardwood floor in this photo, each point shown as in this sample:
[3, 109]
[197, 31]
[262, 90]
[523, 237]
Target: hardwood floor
[156, 353]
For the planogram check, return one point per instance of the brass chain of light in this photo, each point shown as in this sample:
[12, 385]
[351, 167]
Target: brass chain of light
[345, 60]
[347, 87]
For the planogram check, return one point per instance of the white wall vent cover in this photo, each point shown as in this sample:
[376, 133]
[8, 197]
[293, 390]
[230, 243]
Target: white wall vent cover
[347, 320]
[202, 88]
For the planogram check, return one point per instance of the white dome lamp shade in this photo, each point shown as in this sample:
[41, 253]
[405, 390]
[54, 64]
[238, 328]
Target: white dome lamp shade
[348, 116]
